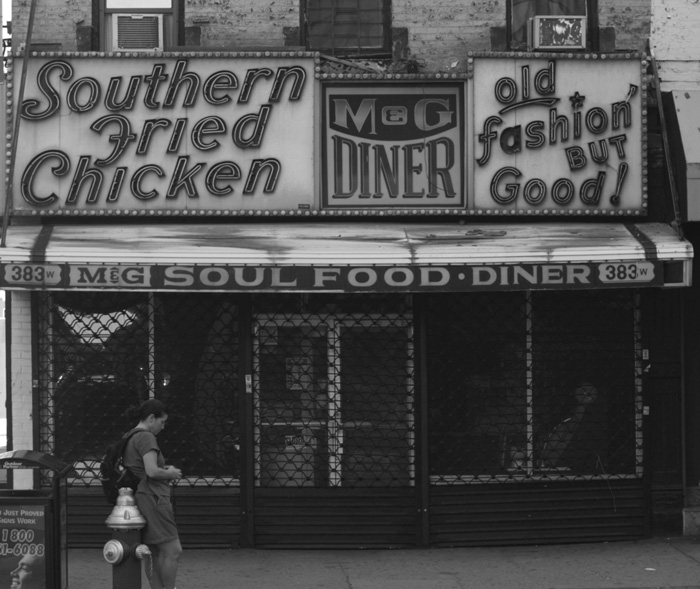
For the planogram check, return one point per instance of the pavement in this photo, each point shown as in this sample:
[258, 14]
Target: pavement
[654, 563]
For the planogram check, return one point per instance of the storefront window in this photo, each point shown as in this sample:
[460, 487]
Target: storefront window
[98, 368]
[532, 385]
[103, 353]
[477, 382]
[518, 386]
[584, 393]
[196, 372]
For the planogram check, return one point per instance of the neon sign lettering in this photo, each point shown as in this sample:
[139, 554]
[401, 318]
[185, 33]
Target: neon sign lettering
[168, 133]
[542, 142]
[84, 94]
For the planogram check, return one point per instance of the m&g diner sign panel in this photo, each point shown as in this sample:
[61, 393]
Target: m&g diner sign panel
[265, 134]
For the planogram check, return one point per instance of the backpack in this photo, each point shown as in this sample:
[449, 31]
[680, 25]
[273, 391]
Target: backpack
[113, 474]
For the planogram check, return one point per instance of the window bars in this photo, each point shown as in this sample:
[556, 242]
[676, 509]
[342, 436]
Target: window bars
[528, 386]
[325, 390]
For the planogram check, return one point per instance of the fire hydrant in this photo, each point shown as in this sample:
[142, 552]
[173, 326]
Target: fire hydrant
[125, 550]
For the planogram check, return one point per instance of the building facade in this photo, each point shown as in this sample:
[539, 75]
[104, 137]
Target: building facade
[675, 48]
[405, 275]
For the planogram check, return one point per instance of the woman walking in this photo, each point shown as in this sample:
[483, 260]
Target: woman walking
[143, 456]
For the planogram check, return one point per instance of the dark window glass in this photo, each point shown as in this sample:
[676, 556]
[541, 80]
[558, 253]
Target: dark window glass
[102, 353]
[347, 26]
[531, 386]
[333, 393]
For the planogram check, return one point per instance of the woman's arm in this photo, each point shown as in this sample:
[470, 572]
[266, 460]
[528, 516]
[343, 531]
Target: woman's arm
[150, 464]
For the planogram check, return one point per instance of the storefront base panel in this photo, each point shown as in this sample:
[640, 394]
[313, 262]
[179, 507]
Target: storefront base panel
[336, 518]
[544, 513]
[207, 517]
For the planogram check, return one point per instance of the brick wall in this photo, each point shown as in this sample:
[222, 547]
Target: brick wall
[440, 32]
[242, 23]
[631, 20]
[676, 43]
[221, 23]
[56, 22]
[21, 381]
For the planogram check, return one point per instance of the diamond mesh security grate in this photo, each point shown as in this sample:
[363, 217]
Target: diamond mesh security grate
[516, 386]
[101, 353]
[333, 387]
[94, 354]
[539, 385]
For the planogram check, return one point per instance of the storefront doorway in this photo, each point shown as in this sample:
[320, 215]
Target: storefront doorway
[333, 401]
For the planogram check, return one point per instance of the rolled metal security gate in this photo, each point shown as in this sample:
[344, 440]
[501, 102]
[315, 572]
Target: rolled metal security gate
[101, 353]
[359, 420]
[334, 421]
[535, 417]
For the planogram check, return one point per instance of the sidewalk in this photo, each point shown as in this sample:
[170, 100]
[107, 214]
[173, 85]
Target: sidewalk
[653, 563]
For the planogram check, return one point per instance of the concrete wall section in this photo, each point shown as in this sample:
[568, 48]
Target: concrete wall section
[676, 43]
[21, 381]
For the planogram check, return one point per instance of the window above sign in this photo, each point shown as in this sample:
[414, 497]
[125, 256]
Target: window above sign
[347, 27]
[552, 25]
[140, 25]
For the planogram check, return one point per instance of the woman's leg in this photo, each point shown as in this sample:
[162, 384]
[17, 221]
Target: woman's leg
[165, 563]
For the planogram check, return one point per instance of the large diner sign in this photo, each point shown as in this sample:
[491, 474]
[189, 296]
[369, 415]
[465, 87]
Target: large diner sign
[394, 147]
[558, 135]
[545, 134]
[171, 134]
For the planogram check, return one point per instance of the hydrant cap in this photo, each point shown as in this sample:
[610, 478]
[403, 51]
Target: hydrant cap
[125, 515]
[113, 552]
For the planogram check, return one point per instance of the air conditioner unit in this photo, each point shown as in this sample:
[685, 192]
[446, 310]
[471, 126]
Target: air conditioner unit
[558, 33]
[137, 32]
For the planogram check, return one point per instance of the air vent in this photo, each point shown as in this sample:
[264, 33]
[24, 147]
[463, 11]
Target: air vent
[137, 32]
[557, 33]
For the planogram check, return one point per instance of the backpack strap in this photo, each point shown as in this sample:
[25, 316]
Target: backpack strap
[127, 436]
[126, 439]
[130, 433]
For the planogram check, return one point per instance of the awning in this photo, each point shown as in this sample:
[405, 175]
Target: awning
[344, 257]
